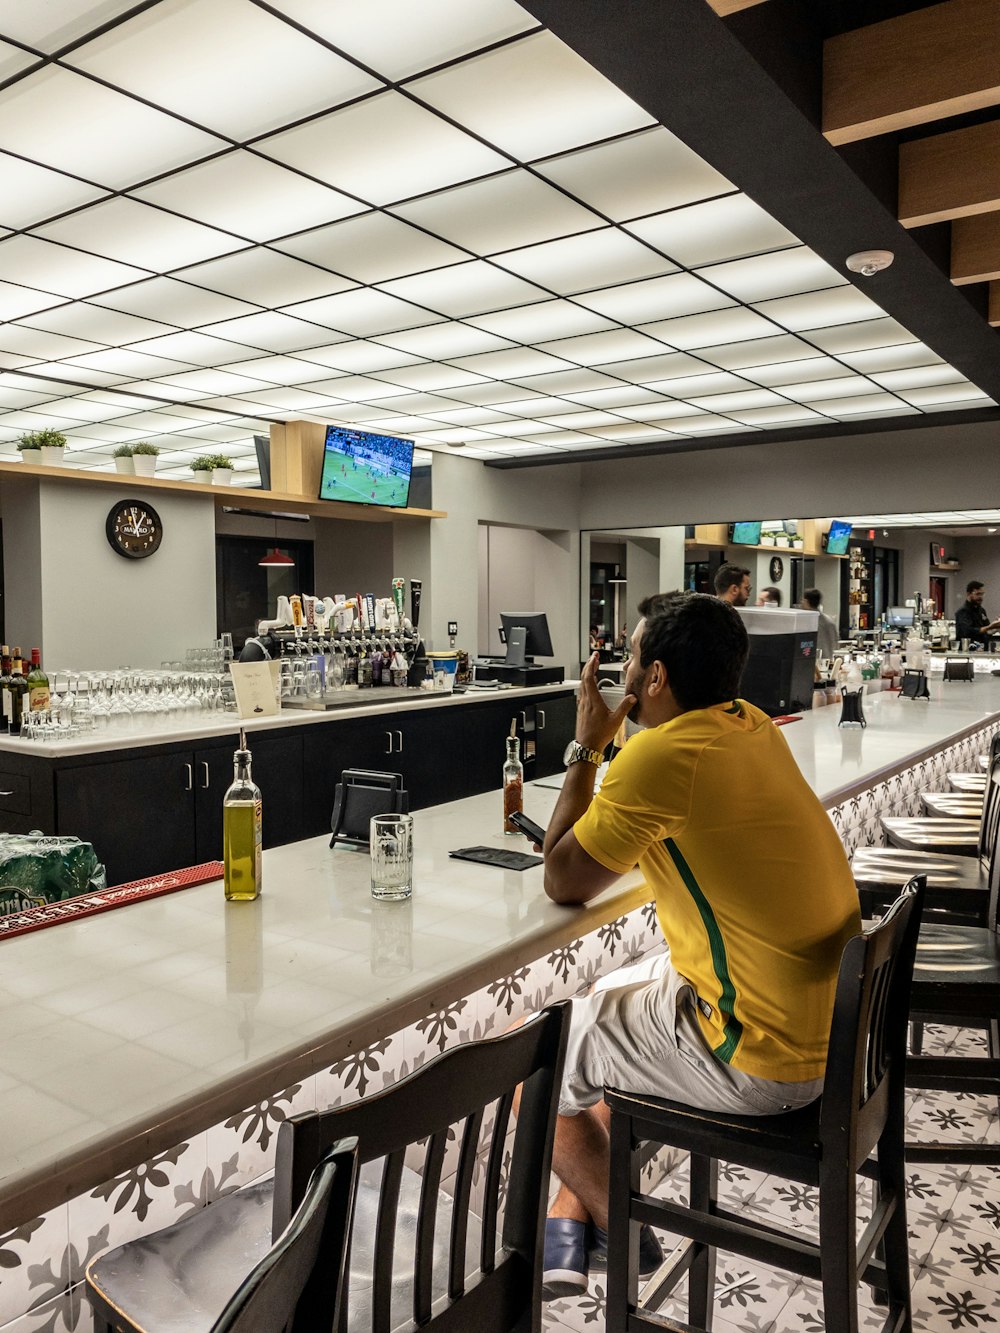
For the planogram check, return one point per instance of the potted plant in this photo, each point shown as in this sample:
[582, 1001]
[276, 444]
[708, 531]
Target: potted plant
[144, 458]
[222, 469]
[203, 465]
[49, 444]
[123, 458]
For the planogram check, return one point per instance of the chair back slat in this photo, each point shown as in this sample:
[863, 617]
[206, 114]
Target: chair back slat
[298, 1284]
[426, 1219]
[464, 1177]
[989, 824]
[454, 1090]
[867, 1049]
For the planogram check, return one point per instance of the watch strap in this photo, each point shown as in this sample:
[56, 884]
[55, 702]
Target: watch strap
[581, 754]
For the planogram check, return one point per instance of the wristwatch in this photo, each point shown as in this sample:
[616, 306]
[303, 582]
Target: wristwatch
[575, 752]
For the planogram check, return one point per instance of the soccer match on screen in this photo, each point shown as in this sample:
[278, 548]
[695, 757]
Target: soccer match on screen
[366, 469]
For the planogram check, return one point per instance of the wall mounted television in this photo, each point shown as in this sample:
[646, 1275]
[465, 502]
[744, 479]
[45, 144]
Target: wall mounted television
[745, 534]
[838, 537]
[367, 469]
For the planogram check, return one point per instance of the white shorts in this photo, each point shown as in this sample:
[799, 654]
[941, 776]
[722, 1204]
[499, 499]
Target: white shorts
[638, 1031]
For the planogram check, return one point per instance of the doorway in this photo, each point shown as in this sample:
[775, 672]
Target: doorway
[246, 592]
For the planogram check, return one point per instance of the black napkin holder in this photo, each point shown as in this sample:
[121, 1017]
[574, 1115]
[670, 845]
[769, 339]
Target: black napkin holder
[359, 795]
[914, 685]
[852, 709]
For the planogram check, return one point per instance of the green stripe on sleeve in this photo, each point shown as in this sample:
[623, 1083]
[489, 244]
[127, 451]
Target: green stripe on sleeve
[733, 1029]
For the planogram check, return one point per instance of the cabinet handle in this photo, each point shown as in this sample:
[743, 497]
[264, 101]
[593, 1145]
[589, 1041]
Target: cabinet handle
[540, 719]
[399, 742]
[6, 793]
[524, 721]
[190, 781]
[388, 740]
[207, 777]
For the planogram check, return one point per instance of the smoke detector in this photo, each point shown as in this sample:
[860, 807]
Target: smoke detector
[456, 444]
[870, 262]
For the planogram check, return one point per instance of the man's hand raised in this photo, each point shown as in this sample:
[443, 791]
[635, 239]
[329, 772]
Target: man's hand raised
[596, 723]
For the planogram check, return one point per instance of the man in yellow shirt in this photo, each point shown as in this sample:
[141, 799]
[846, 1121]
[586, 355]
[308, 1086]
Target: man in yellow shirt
[753, 893]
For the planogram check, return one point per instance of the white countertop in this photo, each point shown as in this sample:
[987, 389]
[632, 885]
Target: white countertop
[126, 1032]
[201, 726]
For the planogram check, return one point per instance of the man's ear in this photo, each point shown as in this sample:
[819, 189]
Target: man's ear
[656, 679]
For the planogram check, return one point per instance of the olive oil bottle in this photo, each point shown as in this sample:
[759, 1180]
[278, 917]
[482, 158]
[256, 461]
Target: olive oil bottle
[241, 829]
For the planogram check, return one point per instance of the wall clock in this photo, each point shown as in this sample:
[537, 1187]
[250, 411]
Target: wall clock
[134, 529]
[776, 568]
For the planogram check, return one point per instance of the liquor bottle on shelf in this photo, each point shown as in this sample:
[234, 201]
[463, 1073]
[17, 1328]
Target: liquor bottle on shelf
[513, 783]
[38, 684]
[241, 830]
[5, 694]
[19, 691]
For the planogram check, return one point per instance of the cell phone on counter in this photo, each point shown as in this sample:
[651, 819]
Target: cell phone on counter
[527, 826]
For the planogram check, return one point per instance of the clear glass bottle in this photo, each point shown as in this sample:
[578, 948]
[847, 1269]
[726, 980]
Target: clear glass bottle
[241, 830]
[513, 784]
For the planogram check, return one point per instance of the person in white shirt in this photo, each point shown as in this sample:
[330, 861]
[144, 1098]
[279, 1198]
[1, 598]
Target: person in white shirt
[828, 636]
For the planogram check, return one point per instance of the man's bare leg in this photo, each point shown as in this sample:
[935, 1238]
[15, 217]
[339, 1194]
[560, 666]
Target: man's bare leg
[580, 1160]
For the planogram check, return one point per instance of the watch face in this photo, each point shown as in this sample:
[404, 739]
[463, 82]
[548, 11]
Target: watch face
[134, 529]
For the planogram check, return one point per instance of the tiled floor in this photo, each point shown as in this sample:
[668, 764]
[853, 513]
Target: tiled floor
[953, 1215]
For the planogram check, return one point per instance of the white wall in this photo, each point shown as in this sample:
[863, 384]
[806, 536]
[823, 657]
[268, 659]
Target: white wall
[525, 570]
[980, 557]
[101, 610]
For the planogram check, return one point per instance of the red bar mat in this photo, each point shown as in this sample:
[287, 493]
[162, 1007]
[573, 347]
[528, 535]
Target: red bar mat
[89, 904]
[784, 721]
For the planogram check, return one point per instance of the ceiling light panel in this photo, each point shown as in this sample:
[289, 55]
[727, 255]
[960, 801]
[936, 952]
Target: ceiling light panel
[624, 395]
[892, 358]
[280, 370]
[356, 354]
[541, 322]
[644, 173]
[918, 377]
[246, 194]
[383, 149]
[207, 382]
[55, 24]
[264, 277]
[270, 331]
[197, 348]
[788, 415]
[730, 403]
[479, 393]
[32, 193]
[784, 273]
[790, 373]
[63, 120]
[464, 289]
[363, 312]
[818, 310]
[103, 326]
[175, 302]
[506, 210]
[943, 394]
[531, 97]
[873, 333]
[868, 406]
[565, 382]
[511, 364]
[596, 348]
[134, 233]
[580, 263]
[692, 386]
[655, 299]
[120, 364]
[712, 328]
[372, 248]
[758, 351]
[169, 55]
[650, 369]
[447, 340]
[16, 301]
[719, 229]
[850, 386]
[58, 269]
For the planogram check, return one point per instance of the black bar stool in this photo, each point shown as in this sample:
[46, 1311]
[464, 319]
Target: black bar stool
[828, 1144]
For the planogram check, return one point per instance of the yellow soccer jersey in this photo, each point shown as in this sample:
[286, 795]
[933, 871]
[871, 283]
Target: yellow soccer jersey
[753, 890]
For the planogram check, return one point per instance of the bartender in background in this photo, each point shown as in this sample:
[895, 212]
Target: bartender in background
[971, 619]
[732, 584]
[828, 636]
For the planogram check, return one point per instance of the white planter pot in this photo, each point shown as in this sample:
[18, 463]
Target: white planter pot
[222, 476]
[32, 456]
[52, 454]
[124, 465]
[144, 465]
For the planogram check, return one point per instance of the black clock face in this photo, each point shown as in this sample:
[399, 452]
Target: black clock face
[777, 567]
[134, 529]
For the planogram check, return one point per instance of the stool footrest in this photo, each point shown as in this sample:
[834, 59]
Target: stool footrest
[943, 1073]
[982, 1154]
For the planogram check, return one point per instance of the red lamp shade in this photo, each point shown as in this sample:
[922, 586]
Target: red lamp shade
[277, 560]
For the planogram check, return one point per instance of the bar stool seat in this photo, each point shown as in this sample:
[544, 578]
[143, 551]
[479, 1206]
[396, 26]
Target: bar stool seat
[953, 837]
[967, 782]
[952, 804]
[855, 1130]
[957, 886]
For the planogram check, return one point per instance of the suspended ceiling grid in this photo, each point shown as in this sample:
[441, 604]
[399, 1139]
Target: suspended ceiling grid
[430, 220]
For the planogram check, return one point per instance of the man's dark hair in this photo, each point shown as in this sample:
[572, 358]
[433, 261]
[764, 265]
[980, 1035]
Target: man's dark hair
[703, 645]
[812, 598]
[973, 586]
[727, 575]
[657, 602]
[771, 595]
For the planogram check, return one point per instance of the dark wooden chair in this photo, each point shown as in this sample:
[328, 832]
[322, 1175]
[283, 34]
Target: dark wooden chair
[952, 804]
[956, 979]
[417, 1256]
[295, 1286]
[828, 1144]
[957, 886]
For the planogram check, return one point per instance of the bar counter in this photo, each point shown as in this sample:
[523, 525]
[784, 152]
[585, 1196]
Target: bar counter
[173, 1034]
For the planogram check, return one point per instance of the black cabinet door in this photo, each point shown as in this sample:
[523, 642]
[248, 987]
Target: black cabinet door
[277, 771]
[485, 728]
[555, 725]
[364, 742]
[429, 752]
[138, 813]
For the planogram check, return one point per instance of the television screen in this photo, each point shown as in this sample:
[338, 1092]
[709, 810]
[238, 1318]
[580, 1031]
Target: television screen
[838, 537]
[367, 469]
[746, 534]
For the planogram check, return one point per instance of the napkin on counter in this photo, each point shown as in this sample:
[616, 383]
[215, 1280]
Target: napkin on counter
[494, 856]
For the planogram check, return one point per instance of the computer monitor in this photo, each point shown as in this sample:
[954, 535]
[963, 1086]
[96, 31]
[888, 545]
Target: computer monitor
[900, 617]
[526, 634]
[262, 447]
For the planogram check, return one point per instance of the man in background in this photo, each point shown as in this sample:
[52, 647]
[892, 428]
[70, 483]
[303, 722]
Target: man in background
[971, 620]
[828, 636]
[732, 584]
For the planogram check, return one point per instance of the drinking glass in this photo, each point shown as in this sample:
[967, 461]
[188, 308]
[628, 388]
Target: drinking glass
[391, 844]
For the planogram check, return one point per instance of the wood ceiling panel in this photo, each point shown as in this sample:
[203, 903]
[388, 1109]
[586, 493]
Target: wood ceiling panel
[935, 62]
[975, 249]
[994, 315]
[724, 7]
[950, 175]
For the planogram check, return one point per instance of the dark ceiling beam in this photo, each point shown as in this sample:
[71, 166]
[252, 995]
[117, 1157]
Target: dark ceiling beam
[684, 67]
[924, 66]
[947, 176]
[975, 249]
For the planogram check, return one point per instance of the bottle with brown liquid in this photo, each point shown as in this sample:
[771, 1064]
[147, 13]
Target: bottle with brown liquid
[513, 784]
